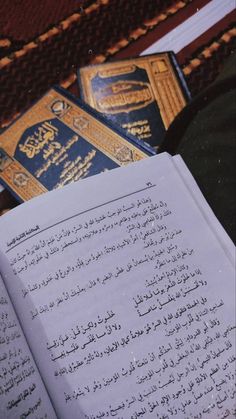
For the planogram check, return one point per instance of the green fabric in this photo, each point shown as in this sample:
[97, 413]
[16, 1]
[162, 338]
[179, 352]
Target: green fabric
[204, 134]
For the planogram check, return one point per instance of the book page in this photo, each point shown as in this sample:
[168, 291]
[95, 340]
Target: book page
[127, 298]
[22, 393]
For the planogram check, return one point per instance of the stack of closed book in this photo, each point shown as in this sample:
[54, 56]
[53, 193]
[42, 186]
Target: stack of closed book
[60, 139]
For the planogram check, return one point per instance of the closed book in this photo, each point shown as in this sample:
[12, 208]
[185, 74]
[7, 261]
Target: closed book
[143, 94]
[60, 140]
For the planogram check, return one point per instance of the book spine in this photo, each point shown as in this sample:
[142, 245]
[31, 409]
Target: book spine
[180, 76]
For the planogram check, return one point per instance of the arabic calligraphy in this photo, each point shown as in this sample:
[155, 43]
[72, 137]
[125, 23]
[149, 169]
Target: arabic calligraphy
[140, 128]
[103, 224]
[44, 135]
[20, 392]
[55, 154]
[140, 334]
[77, 169]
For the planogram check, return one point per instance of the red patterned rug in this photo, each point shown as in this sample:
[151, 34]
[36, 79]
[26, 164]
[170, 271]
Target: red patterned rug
[42, 43]
[68, 34]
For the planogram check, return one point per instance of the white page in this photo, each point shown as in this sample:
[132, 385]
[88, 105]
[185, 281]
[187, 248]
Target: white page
[127, 295]
[22, 393]
[197, 195]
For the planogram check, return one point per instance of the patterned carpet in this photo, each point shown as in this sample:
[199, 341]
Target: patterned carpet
[42, 44]
[64, 44]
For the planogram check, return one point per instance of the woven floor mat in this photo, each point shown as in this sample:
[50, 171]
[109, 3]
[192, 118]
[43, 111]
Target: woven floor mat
[202, 68]
[52, 56]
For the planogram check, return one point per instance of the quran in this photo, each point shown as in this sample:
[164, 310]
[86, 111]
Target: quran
[117, 300]
[60, 140]
[142, 94]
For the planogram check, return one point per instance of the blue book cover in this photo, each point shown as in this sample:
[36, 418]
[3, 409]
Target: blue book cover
[142, 95]
[60, 140]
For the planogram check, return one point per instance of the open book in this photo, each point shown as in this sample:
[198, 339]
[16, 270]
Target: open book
[117, 300]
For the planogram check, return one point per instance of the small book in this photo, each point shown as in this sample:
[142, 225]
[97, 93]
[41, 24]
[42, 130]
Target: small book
[60, 140]
[117, 299]
[143, 94]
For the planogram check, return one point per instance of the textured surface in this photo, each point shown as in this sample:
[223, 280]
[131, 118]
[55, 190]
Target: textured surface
[24, 20]
[75, 41]
[43, 46]
[202, 68]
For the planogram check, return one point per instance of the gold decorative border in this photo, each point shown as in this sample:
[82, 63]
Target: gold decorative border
[110, 143]
[102, 137]
[40, 111]
[27, 186]
[134, 107]
[164, 84]
[36, 114]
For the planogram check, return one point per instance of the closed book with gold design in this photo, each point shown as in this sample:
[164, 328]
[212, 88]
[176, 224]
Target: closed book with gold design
[143, 94]
[60, 140]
